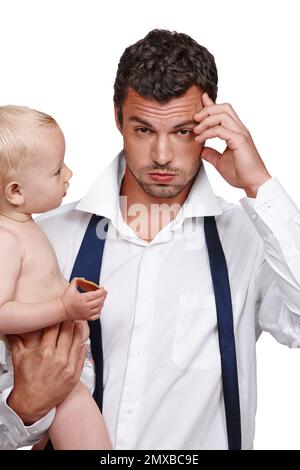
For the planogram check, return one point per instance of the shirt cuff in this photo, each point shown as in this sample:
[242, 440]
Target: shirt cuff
[19, 433]
[271, 208]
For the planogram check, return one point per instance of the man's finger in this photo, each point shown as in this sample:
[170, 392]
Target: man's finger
[206, 100]
[80, 361]
[211, 155]
[218, 131]
[213, 108]
[75, 346]
[65, 338]
[223, 119]
[15, 343]
[49, 338]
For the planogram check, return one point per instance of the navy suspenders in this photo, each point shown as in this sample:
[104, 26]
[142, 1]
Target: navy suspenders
[88, 265]
[222, 292]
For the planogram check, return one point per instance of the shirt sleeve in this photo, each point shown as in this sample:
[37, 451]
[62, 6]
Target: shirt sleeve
[13, 432]
[276, 218]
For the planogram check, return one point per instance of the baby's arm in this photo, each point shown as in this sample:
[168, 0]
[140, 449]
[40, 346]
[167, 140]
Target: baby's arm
[18, 317]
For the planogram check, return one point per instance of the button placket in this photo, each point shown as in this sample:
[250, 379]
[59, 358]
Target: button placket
[133, 383]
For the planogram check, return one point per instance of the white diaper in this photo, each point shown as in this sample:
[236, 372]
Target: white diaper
[88, 371]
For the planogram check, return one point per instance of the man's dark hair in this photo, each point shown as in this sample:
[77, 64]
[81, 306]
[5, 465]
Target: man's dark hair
[164, 65]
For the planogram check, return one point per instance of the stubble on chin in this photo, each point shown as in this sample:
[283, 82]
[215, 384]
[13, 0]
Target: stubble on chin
[162, 191]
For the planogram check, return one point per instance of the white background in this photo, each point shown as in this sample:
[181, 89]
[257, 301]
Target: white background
[61, 56]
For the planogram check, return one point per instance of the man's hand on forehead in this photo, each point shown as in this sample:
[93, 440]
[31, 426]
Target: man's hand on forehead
[240, 164]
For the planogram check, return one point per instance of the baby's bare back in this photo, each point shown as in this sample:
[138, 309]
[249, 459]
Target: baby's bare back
[40, 279]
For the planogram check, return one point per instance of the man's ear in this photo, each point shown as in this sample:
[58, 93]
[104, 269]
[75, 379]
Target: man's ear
[14, 193]
[118, 124]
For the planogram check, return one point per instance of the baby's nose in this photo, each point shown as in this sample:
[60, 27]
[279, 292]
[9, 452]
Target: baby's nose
[69, 174]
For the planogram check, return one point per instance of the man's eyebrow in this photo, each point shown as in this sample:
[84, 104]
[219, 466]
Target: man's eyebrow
[141, 121]
[190, 122]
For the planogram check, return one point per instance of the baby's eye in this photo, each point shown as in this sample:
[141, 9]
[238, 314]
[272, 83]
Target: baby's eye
[184, 132]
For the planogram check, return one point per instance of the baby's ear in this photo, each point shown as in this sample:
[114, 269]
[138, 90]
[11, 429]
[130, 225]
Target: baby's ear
[14, 193]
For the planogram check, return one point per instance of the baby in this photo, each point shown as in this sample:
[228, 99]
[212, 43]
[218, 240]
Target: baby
[34, 294]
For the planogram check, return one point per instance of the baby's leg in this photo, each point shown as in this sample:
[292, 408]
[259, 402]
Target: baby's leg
[78, 423]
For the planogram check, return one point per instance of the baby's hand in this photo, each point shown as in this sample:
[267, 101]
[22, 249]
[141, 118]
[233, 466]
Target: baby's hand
[86, 306]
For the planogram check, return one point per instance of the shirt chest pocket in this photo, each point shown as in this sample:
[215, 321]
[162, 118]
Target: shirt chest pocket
[196, 343]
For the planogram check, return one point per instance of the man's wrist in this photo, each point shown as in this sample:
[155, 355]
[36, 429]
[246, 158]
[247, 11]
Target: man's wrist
[253, 190]
[21, 408]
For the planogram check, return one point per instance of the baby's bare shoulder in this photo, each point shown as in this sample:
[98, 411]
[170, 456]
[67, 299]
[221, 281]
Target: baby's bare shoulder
[7, 236]
[9, 242]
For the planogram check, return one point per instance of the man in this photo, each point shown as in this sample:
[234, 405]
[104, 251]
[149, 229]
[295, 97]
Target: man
[165, 382]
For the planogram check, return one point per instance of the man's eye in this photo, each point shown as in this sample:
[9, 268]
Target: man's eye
[58, 172]
[184, 132]
[142, 130]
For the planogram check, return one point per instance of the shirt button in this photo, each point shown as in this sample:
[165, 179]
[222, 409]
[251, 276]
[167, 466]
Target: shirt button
[138, 354]
[254, 216]
[268, 204]
[145, 301]
[129, 410]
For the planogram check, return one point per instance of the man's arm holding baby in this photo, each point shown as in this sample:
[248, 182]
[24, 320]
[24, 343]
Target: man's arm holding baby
[19, 317]
[43, 377]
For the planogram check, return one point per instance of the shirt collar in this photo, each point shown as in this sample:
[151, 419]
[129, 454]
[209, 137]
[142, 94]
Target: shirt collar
[103, 196]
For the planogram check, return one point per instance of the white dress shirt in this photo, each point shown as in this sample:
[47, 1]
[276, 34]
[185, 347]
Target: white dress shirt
[162, 372]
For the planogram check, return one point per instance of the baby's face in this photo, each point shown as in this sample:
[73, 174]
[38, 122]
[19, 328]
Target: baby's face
[45, 176]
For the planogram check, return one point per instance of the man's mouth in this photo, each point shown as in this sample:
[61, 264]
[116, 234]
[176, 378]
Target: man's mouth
[161, 177]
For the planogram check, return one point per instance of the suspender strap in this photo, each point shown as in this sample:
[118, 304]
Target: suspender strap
[225, 331]
[88, 264]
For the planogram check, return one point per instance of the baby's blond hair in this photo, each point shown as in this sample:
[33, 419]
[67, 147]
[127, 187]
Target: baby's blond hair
[19, 126]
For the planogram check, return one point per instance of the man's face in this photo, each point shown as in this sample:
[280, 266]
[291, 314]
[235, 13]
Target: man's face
[159, 139]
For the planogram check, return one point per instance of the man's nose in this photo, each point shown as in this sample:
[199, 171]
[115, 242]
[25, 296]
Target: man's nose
[162, 151]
